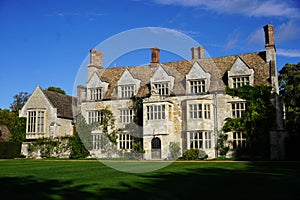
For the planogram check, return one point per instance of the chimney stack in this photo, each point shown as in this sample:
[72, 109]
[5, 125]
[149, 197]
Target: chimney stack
[269, 43]
[269, 36]
[197, 52]
[95, 62]
[96, 58]
[155, 59]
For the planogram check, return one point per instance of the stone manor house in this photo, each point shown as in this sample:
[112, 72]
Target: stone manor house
[185, 100]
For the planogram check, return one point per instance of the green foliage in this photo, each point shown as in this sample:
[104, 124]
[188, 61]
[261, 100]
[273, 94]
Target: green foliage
[174, 149]
[56, 89]
[83, 130]
[19, 101]
[109, 132]
[137, 106]
[194, 154]
[78, 149]
[289, 85]
[257, 120]
[108, 122]
[135, 129]
[136, 132]
[15, 124]
[50, 147]
[10, 150]
[221, 144]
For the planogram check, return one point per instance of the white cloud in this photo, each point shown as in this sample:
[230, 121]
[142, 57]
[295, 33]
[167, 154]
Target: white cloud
[291, 53]
[232, 40]
[67, 14]
[288, 31]
[256, 37]
[256, 8]
[273, 8]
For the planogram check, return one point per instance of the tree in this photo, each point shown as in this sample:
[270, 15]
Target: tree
[56, 89]
[84, 131]
[222, 148]
[289, 82]
[15, 124]
[257, 120]
[78, 149]
[19, 101]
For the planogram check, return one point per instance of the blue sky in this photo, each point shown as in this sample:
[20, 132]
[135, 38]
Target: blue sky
[44, 42]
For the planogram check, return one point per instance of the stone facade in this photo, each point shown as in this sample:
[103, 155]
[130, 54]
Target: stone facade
[49, 115]
[184, 101]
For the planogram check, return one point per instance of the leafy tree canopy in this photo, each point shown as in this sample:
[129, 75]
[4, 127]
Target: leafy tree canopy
[15, 124]
[56, 89]
[289, 85]
[289, 81]
[19, 101]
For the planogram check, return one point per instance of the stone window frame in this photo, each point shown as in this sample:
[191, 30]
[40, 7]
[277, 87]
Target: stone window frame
[126, 91]
[199, 139]
[125, 141]
[98, 140]
[126, 115]
[162, 88]
[96, 93]
[35, 121]
[199, 111]
[94, 116]
[238, 108]
[238, 140]
[201, 87]
[156, 112]
[239, 81]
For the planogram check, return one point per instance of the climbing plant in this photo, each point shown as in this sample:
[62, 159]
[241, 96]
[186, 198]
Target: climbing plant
[257, 120]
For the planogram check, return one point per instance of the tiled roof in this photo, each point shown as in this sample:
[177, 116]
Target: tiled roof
[217, 67]
[62, 102]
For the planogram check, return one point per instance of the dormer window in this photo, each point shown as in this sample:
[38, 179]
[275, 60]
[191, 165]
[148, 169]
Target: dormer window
[127, 86]
[197, 86]
[197, 80]
[162, 88]
[126, 91]
[96, 93]
[240, 81]
[96, 88]
[240, 74]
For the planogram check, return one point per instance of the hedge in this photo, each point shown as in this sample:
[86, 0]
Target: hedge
[10, 149]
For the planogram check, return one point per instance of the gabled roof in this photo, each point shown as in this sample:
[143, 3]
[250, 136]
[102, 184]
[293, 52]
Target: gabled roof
[217, 67]
[62, 102]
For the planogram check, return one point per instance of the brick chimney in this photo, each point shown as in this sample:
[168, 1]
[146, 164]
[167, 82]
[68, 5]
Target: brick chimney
[95, 62]
[155, 58]
[96, 58]
[269, 35]
[269, 43]
[197, 52]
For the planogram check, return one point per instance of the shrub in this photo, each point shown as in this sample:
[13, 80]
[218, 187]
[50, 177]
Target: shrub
[194, 154]
[49, 147]
[78, 149]
[10, 149]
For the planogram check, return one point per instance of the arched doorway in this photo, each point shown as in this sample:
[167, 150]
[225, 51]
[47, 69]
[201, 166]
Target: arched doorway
[156, 148]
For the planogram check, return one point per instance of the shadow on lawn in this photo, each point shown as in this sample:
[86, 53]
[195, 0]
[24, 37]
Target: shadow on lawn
[257, 181]
[30, 188]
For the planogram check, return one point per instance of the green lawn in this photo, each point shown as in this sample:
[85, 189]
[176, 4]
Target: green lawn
[50, 179]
